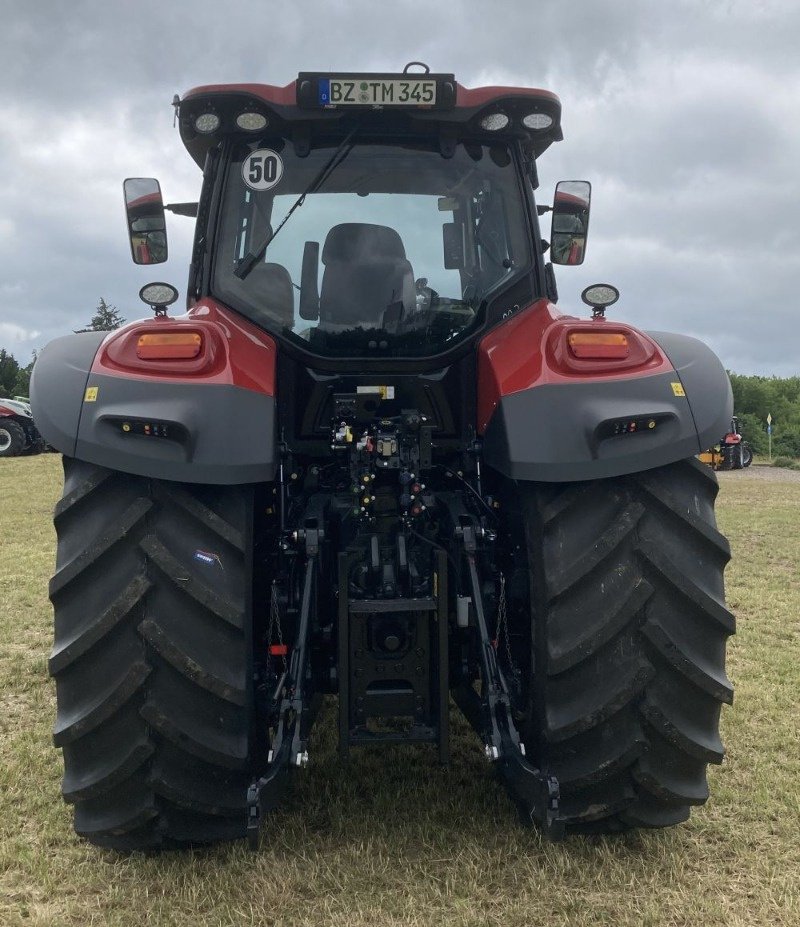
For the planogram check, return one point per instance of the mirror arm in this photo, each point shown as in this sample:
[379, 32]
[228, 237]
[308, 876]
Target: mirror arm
[529, 159]
[550, 283]
[183, 209]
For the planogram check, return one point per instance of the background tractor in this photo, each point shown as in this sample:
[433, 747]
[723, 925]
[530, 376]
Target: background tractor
[732, 452]
[373, 459]
[18, 433]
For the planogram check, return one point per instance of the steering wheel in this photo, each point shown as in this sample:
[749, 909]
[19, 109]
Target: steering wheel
[427, 298]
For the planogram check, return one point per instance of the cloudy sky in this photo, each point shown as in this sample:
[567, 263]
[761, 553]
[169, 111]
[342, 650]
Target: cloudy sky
[684, 115]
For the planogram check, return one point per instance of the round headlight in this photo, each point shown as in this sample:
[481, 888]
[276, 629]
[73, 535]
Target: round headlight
[600, 295]
[537, 121]
[494, 122]
[252, 122]
[207, 123]
[158, 294]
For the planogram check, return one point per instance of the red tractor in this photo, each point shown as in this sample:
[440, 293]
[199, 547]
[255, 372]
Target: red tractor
[731, 452]
[373, 459]
[736, 452]
[18, 434]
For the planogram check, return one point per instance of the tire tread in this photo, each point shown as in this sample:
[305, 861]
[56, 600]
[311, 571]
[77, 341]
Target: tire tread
[629, 625]
[152, 658]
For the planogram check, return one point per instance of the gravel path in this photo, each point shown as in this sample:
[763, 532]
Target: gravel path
[762, 474]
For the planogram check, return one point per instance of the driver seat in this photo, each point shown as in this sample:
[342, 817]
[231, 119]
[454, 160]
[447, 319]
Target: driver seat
[366, 275]
[271, 287]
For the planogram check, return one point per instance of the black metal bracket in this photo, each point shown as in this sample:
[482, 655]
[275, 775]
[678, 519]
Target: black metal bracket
[424, 691]
[535, 792]
[289, 746]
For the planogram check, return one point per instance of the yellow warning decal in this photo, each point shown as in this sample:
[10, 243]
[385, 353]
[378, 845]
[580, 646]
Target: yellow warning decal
[91, 394]
[677, 389]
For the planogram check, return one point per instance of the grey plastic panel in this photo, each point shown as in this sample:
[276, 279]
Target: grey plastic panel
[58, 385]
[216, 433]
[706, 382]
[556, 432]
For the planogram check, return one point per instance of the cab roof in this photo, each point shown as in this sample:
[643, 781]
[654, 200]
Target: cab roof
[293, 111]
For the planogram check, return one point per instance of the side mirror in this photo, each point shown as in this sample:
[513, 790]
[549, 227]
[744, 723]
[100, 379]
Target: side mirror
[147, 227]
[570, 223]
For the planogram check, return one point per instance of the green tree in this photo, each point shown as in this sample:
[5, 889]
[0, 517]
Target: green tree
[9, 371]
[786, 443]
[23, 384]
[754, 431]
[105, 319]
[756, 397]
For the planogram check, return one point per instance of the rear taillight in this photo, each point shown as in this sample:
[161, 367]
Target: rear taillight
[599, 347]
[596, 345]
[169, 345]
[165, 346]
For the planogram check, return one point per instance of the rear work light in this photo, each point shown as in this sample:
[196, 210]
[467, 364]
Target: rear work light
[494, 122]
[169, 345]
[252, 121]
[598, 345]
[537, 121]
[207, 123]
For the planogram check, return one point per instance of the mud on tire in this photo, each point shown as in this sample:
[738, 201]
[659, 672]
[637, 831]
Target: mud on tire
[628, 643]
[152, 657]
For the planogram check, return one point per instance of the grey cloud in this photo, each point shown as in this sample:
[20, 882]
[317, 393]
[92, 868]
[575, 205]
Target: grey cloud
[683, 115]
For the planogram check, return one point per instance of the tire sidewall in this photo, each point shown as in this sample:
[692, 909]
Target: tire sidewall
[12, 438]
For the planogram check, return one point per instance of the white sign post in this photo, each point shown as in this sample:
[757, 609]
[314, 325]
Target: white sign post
[769, 434]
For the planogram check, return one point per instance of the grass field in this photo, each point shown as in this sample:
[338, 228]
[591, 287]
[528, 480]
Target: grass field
[399, 840]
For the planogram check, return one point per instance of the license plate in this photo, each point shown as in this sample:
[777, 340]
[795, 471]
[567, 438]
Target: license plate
[376, 92]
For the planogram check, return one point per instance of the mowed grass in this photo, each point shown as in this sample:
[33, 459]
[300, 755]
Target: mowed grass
[394, 839]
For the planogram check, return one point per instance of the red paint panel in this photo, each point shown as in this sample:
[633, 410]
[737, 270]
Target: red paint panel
[531, 349]
[269, 93]
[510, 356]
[483, 95]
[234, 351]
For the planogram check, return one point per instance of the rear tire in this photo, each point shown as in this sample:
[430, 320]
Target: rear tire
[12, 438]
[747, 455]
[629, 631]
[35, 447]
[152, 657]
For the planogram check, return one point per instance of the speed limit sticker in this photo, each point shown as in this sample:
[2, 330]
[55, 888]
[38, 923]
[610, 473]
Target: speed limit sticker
[262, 169]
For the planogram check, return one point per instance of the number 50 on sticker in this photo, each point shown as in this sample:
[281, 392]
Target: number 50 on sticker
[262, 169]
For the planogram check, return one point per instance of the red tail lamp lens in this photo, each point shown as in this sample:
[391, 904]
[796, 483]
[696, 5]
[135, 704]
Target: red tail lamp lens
[169, 345]
[603, 345]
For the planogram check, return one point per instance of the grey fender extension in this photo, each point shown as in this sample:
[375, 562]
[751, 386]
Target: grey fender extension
[705, 381]
[576, 431]
[58, 385]
[191, 432]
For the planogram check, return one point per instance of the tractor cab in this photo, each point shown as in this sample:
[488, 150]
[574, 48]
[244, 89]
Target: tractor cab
[372, 216]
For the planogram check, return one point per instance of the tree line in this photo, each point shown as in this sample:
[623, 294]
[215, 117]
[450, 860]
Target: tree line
[754, 398]
[14, 380]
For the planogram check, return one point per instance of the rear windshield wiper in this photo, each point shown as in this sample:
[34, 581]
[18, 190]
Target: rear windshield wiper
[249, 261]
